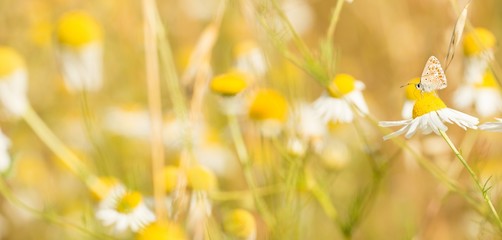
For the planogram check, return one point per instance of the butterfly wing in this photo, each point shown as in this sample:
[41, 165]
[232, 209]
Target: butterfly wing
[433, 77]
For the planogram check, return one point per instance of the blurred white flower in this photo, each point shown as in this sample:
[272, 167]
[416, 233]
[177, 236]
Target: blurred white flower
[250, 58]
[305, 122]
[478, 49]
[13, 82]
[80, 51]
[485, 96]
[5, 160]
[335, 104]
[124, 210]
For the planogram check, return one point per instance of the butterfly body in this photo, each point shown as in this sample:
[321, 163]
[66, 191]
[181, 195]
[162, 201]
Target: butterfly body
[433, 77]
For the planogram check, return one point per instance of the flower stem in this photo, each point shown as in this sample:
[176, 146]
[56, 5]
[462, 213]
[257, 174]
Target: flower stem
[474, 177]
[334, 20]
[155, 105]
[68, 158]
[243, 156]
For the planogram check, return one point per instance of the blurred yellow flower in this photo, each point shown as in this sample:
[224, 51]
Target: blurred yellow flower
[201, 179]
[229, 84]
[478, 41]
[172, 177]
[240, 223]
[341, 85]
[342, 96]
[488, 81]
[268, 104]
[77, 29]
[129, 202]
[102, 186]
[80, 51]
[161, 231]
[10, 61]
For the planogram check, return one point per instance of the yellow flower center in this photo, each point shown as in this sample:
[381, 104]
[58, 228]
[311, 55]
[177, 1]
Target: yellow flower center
[229, 84]
[171, 177]
[240, 223]
[341, 85]
[411, 91]
[478, 41]
[10, 61]
[78, 29]
[268, 104]
[427, 103]
[102, 186]
[129, 202]
[161, 231]
[489, 81]
[201, 179]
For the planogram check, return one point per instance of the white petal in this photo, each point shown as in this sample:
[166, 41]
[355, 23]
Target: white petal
[412, 129]
[407, 111]
[396, 133]
[491, 126]
[394, 123]
[464, 96]
[488, 101]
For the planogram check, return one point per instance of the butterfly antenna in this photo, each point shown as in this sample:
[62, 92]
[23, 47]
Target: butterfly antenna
[405, 85]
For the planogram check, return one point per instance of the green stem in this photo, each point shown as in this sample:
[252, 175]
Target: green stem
[334, 20]
[474, 177]
[68, 158]
[12, 199]
[243, 157]
[239, 195]
[325, 202]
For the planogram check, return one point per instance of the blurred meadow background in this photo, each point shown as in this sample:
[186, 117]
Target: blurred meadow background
[204, 119]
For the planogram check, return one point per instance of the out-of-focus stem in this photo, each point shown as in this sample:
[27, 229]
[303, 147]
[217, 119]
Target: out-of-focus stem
[68, 158]
[154, 104]
[474, 177]
[243, 156]
[334, 20]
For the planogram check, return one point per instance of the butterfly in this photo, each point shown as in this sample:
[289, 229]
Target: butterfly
[433, 77]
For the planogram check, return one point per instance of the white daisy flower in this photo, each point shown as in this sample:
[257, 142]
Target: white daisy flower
[80, 51]
[269, 109]
[13, 82]
[250, 58]
[306, 123]
[478, 49]
[229, 87]
[124, 210]
[484, 96]
[429, 115]
[5, 159]
[335, 104]
[200, 181]
[492, 126]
